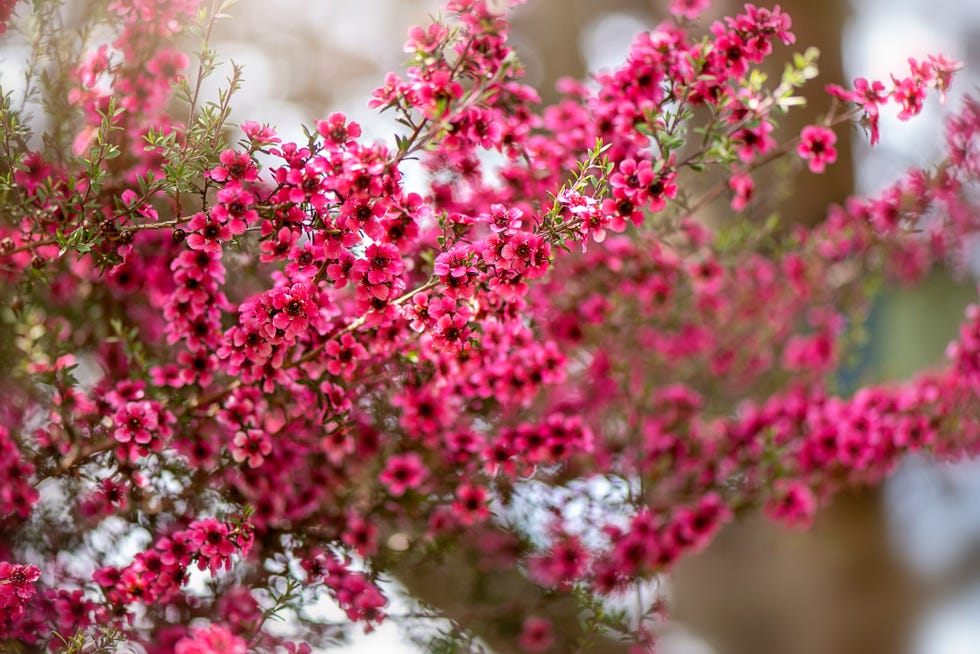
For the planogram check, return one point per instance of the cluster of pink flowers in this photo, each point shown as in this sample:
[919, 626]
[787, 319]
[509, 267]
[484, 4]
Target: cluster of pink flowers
[17, 495]
[908, 92]
[17, 586]
[157, 575]
[364, 370]
[357, 595]
[215, 639]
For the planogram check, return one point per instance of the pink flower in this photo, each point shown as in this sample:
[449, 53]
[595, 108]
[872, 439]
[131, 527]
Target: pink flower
[743, 186]
[869, 96]
[259, 134]
[817, 147]
[361, 535]
[17, 583]
[526, 253]
[537, 634]
[92, 66]
[451, 330]
[425, 41]
[136, 422]
[562, 564]
[689, 9]
[471, 504]
[456, 269]
[234, 208]
[214, 543]
[207, 234]
[943, 69]
[909, 92]
[792, 503]
[631, 179]
[295, 309]
[337, 130]
[381, 263]
[235, 166]
[418, 312]
[177, 550]
[167, 64]
[403, 473]
[252, 446]
[344, 354]
[215, 639]
[211, 538]
[502, 219]
[754, 141]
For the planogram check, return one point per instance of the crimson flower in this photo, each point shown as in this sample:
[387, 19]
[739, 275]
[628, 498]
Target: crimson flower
[817, 147]
[403, 473]
[17, 583]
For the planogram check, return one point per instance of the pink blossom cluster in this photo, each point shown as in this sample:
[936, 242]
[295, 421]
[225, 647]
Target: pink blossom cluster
[17, 495]
[360, 597]
[372, 374]
[157, 575]
[908, 92]
[17, 586]
[215, 639]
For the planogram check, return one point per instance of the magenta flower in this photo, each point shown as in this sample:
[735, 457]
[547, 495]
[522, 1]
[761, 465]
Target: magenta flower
[337, 130]
[752, 142]
[259, 134]
[234, 208]
[502, 219]
[526, 253]
[381, 263]
[214, 544]
[344, 355]
[235, 166]
[471, 504]
[909, 92]
[793, 503]
[403, 473]
[451, 330]
[17, 583]
[207, 234]
[135, 421]
[743, 187]
[251, 446]
[869, 96]
[817, 147]
[537, 634]
[295, 309]
[177, 550]
[215, 639]
[425, 40]
[456, 269]
[689, 9]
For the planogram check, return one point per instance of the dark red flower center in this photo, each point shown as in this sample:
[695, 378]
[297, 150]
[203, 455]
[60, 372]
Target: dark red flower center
[294, 307]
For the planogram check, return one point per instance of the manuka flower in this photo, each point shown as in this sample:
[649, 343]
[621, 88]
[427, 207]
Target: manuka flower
[403, 473]
[817, 147]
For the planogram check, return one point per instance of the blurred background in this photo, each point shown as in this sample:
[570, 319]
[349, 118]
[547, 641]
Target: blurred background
[888, 570]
